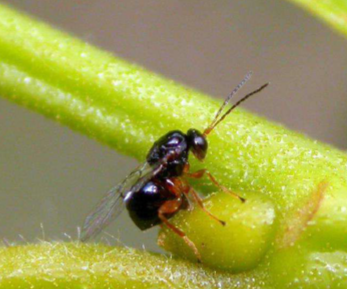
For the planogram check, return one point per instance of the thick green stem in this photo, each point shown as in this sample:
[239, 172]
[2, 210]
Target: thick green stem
[333, 12]
[295, 187]
[51, 265]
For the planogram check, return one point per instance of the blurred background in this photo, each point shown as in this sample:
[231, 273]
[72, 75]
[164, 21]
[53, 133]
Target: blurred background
[51, 177]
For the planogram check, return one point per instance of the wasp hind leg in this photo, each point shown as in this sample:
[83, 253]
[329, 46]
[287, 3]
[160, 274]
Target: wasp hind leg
[201, 173]
[171, 207]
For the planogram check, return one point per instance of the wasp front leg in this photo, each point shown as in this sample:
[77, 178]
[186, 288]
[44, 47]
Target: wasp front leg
[201, 173]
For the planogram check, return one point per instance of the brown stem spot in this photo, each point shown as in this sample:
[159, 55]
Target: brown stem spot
[302, 217]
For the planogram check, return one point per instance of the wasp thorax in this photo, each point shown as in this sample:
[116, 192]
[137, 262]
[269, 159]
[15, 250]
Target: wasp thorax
[172, 148]
[197, 143]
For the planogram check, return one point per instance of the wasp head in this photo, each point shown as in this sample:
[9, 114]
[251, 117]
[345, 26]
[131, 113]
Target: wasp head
[197, 143]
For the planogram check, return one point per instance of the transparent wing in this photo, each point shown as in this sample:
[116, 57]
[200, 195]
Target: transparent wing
[111, 205]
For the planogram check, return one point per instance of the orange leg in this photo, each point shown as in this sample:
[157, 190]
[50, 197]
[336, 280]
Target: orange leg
[181, 186]
[199, 174]
[201, 205]
[170, 207]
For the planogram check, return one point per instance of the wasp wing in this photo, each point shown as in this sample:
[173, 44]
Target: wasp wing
[112, 204]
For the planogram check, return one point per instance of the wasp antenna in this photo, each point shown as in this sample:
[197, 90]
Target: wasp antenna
[216, 122]
[226, 101]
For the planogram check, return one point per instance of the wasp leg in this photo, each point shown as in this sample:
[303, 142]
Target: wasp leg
[199, 174]
[181, 186]
[198, 200]
[170, 207]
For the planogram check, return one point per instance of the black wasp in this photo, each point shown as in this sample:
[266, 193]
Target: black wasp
[158, 188]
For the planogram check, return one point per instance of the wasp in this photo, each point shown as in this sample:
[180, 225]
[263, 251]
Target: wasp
[158, 189]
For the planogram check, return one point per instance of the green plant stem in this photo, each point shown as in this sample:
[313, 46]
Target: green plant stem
[59, 265]
[333, 12]
[303, 183]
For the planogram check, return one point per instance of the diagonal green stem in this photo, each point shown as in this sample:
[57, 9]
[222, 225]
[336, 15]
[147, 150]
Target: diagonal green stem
[334, 12]
[295, 187]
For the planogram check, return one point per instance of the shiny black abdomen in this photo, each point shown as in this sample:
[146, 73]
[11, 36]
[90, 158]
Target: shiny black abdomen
[175, 143]
[143, 205]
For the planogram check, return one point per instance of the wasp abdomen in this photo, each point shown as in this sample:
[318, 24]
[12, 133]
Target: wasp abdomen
[144, 204]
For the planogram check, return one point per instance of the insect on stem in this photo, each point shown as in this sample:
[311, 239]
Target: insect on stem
[155, 191]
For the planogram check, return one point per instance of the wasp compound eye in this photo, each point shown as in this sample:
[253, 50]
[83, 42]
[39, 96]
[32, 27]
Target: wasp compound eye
[198, 143]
